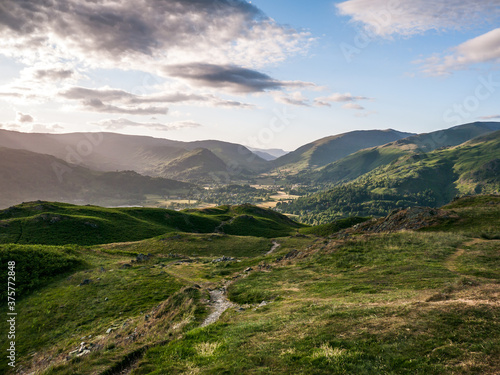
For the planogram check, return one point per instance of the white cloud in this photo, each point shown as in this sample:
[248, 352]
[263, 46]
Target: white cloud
[110, 100]
[23, 118]
[325, 101]
[295, 98]
[482, 49]
[121, 123]
[46, 128]
[409, 17]
[10, 126]
[139, 33]
[355, 106]
[492, 117]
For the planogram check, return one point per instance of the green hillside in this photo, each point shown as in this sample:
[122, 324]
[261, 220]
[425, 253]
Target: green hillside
[431, 179]
[59, 223]
[26, 176]
[330, 149]
[419, 302]
[364, 161]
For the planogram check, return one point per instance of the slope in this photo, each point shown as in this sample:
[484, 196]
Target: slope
[26, 176]
[330, 149]
[111, 151]
[419, 302]
[364, 161]
[60, 223]
[199, 164]
[429, 179]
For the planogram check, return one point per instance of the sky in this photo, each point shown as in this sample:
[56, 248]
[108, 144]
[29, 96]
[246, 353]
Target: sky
[265, 73]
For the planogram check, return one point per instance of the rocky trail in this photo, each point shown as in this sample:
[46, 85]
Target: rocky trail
[276, 245]
[219, 303]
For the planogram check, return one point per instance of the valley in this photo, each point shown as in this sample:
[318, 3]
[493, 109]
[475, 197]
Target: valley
[379, 259]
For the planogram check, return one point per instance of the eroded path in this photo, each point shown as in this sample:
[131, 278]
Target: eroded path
[219, 303]
[275, 246]
[451, 262]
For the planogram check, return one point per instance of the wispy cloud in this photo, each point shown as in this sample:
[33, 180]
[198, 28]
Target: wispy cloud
[23, 118]
[325, 101]
[385, 18]
[482, 49]
[492, 117]
[295, 98]
[121, 123]
[111, 100]
[355, 106]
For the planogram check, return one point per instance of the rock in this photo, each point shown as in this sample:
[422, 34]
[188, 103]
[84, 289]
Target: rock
[248, 269]
[85, 282]
[263, 303]
[106, 298]
[224, 259]
[125, 266]
[292, 254]
[92, 225]
[142, 257]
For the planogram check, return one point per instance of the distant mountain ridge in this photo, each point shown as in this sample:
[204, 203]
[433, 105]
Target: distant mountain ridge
[26, 176]
[428, 179]
[115, 152]
[268, 154]
[366, 160]
[329, 149]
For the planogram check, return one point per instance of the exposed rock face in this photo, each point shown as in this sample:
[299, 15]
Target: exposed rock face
[413, 218]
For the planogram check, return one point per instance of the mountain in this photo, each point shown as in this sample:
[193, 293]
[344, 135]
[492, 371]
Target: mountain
[26, 176]
[198, 164]
[117, 152]
[431, 179]
[330, 149]
[364, 161]
[268, 154]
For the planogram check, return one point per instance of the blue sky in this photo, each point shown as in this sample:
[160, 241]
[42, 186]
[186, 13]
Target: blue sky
[270, 73]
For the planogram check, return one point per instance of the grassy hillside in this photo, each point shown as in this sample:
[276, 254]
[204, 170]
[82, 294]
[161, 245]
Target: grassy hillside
[59, 223]
[431, 179]
[26, 176]
[364, 161]
[420, 302]
[330, 149]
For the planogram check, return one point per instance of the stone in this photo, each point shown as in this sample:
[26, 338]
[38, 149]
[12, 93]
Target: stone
[85, 282]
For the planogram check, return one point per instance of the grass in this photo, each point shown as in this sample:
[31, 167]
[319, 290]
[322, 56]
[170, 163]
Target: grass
[325, 230]
[355, 308]
[421, 302]
[59, 223]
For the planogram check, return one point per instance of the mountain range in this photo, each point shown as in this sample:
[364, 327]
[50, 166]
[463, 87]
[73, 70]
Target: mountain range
[415, 178]
[109, 168]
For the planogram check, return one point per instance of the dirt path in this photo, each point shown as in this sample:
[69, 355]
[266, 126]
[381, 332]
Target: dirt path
[220, 303]
[451, 262]
[275, 246]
